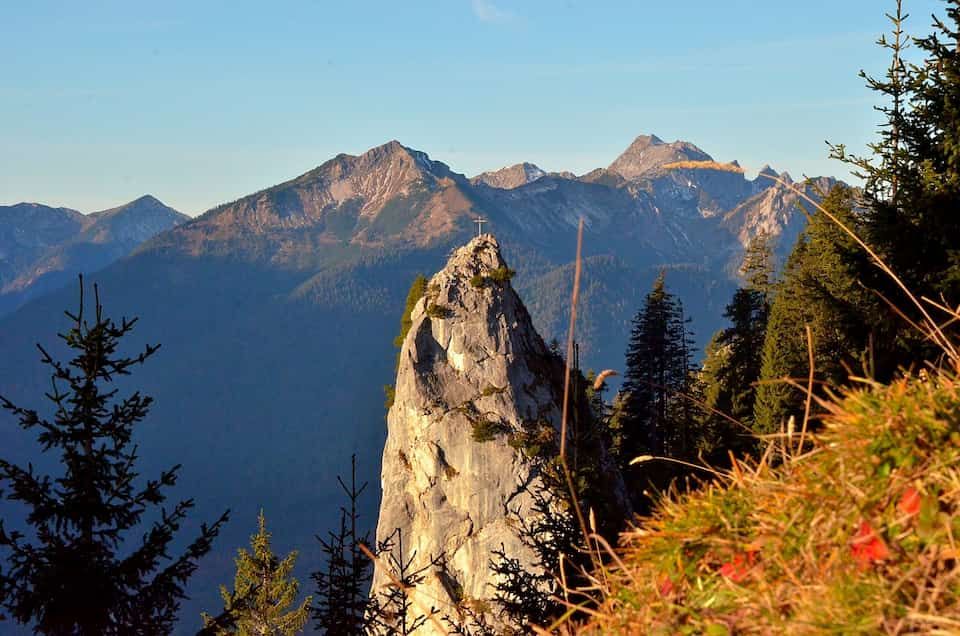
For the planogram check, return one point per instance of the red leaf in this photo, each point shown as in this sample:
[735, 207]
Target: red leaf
[867, 547]
[665, 586]
[739, 568]
[909, 502]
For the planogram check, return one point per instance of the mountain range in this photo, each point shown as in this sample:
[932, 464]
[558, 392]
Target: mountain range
[41, 248]
[276, 311]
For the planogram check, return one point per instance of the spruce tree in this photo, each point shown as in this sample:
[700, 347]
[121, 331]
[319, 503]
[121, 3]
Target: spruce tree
[272, 591]
[344, 605]
[734, 356]
[395, 614]
[821, 287]
[87, 569]
[531, 597]
[912, 183]
[656, 416]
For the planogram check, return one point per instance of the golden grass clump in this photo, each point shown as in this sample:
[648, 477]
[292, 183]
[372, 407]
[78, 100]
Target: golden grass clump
[856, 535]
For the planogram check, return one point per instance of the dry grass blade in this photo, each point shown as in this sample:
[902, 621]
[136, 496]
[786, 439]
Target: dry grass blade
[806, 407]
[574, 298]
[932, 327]
[602, 377]
[704, 165]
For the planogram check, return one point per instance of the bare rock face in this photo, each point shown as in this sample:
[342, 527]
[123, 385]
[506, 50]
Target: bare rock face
[510, 177]
[472, 368]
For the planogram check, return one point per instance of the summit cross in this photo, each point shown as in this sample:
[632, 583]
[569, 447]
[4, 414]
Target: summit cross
[480, 221]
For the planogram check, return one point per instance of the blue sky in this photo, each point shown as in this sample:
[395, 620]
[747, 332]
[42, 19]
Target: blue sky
[202, 102]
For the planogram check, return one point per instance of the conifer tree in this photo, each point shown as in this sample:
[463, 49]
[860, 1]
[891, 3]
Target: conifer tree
[656, 418]
[267, 582]
[734, 355]
[549, 529]
[912, 182]
[395, 614]
[87, 570]
[344, 605]
[820, 287]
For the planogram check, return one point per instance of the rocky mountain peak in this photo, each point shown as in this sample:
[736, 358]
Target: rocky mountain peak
[133, 222]
[649, 152]
[414, 164]
[474, 378]
[510, 177]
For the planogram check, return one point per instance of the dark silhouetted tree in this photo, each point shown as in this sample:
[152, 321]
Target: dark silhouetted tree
[344, 606]
[656, 416]
[911, 188]
[84, 571]
[395, 613]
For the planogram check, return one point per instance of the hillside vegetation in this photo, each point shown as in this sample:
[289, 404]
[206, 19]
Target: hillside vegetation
[856, 534]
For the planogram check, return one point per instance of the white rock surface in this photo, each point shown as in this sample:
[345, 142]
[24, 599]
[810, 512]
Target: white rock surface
[445, 491]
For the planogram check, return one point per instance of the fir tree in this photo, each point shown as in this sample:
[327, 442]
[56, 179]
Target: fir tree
[344, 605]
[820, 288]
[530, 597]
[84, 571]
[267, 582]
[656, 416]
[912, 183]
[395, 614]
[734, 355]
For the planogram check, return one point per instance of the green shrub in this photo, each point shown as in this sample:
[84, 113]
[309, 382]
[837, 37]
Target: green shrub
[502, 274]
[389, 394]
[488, 430]
[437, 311]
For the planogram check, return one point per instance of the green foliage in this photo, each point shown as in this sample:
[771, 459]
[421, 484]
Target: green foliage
[437, 311]
[86, 569]
[656, 418]
[821, 289]
[498, 276]
[734, 356]
[492, 390]
[501, 274]
[417, 290]
[488, 430]
[912, 184]
[272, 591]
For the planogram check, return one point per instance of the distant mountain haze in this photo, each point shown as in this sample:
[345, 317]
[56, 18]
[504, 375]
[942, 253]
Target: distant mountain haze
[277, 311]
[43, 248]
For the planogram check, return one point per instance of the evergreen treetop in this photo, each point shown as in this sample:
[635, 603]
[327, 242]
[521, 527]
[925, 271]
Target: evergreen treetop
[83, 571]
[272, 592]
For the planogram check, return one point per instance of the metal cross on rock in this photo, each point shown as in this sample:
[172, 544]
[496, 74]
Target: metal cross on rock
[480, 221]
